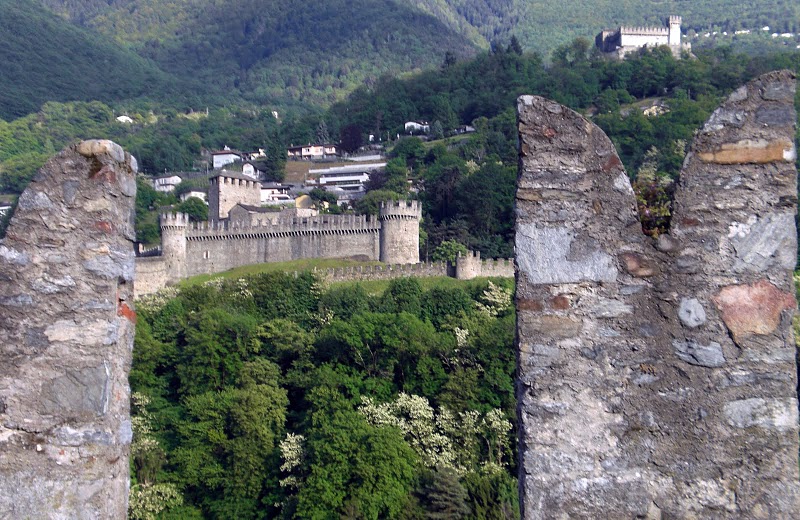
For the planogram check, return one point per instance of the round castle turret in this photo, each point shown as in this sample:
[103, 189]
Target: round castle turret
[400, 232]
[173, 244]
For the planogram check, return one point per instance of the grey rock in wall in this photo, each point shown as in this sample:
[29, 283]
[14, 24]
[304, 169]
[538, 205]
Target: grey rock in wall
[657, 379]
[66, 336]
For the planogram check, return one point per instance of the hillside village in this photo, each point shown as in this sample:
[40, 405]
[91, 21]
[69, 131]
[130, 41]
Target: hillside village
[320, 166]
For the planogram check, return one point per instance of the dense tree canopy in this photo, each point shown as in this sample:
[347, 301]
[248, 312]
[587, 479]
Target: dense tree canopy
[327, 402]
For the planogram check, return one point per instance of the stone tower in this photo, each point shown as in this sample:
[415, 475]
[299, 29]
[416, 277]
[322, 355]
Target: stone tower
[228, 189]
[675, 31]
[400, 232]
[173, 244]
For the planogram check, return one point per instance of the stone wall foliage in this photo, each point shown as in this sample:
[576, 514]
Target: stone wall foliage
[657, 379]
[66, 335]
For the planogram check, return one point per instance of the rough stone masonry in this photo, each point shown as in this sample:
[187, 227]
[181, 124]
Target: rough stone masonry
[657, 379]
[66, 335]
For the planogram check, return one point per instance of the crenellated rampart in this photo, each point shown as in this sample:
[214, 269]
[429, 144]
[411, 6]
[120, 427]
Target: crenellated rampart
[644, 31]
[294, 227]
[387, 272]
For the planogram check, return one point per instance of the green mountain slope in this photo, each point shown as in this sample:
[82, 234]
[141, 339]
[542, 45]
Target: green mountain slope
[544, 24]
[276, 51]
[44, 58]
[282, 52]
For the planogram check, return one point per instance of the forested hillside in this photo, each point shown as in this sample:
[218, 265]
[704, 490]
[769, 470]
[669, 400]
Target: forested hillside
[540, 25]
[467, 183]
[45, 58]
[275, 51]
[191, 53]
[275, 397]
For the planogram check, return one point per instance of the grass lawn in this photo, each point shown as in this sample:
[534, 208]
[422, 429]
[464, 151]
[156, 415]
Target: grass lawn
[447, 141]
[375, 287]
[288, 267]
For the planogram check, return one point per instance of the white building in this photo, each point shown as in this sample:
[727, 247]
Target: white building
[4, 210]
[313, 151]
[275, 193]
[350, 178]
[195, 193]
[167, 183]
[417, 127]
[224, 157]
[254, 169]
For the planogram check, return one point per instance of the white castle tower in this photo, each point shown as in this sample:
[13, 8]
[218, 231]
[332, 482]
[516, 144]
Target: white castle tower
[674, 31]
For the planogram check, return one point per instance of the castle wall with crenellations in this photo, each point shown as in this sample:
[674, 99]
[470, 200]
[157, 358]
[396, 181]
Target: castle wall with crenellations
[189, 249]
[212, 249]
[151, 272]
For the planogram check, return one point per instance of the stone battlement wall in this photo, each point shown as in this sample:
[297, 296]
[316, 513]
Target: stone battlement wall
[151, 274]
[387, 272]
[471, 266]
[498, 267]
[644, 31]
[66, 337]
[320, 224]
[658, 379]
[214, 251]
[190, 248]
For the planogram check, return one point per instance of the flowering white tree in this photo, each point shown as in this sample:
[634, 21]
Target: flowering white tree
[292, 454]
[147, 498]
[442, 439]
[494, 300]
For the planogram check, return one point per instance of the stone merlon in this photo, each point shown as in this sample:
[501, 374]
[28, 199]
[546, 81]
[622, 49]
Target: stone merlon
[66, 336]
[657, 378]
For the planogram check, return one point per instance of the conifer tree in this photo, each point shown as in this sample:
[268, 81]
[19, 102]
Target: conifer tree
[446, 497]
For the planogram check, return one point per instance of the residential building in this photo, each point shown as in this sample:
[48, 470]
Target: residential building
[275, 193]
[224, 157]
[167, 183]
[313, 151]
[417, 127]
[202, 195]
[350, 178]
[256, 170]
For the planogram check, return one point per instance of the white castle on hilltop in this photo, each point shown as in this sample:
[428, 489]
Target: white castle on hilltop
[624, 40]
